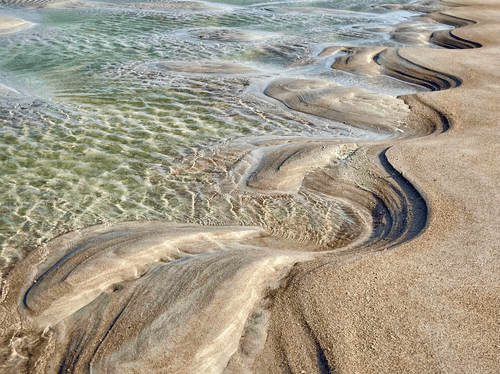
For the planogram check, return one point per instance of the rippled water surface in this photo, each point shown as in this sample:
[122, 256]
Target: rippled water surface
[96, 130]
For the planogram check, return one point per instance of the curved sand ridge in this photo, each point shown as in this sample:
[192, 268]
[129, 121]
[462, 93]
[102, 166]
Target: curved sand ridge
[356, 106]
[388, 61]
[155, 297]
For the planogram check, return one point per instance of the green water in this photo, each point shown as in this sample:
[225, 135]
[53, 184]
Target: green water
[105, 134]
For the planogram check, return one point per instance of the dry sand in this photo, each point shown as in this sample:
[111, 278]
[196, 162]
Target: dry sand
[413, 288]
[430, 305]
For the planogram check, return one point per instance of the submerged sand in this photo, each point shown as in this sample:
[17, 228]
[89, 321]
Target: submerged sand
[401, 276]
[10, 24]
[206, 67]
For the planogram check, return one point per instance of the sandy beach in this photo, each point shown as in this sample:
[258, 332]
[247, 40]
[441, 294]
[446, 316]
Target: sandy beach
[377, 256]
[429, 305]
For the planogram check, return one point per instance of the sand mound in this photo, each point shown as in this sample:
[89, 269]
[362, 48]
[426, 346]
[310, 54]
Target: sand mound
[117, 295]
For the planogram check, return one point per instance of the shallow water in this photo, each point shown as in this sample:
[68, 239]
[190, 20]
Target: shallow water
[97, 131]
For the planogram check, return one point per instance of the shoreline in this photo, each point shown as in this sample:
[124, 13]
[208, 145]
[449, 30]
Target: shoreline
[431, 304]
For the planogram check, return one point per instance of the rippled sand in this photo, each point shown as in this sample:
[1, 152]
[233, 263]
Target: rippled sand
[375, 253]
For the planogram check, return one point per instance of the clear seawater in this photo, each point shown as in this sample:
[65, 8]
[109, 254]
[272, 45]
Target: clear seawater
[97, 132]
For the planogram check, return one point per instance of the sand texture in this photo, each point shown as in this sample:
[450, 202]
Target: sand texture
[394, 270]
[352, 105]
[431, 305]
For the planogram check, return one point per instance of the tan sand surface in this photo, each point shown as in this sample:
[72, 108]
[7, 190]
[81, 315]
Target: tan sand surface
[396, 272]
[352, 105]
[432, 304]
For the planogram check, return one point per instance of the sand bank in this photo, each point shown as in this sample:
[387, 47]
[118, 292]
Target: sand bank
[429, 305]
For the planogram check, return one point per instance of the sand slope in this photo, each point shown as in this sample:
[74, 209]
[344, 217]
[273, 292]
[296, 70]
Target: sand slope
[431, 305]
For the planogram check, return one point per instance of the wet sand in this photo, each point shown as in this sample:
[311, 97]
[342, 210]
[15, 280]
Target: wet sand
[405, 278]
[206, 67]
[9, 24]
